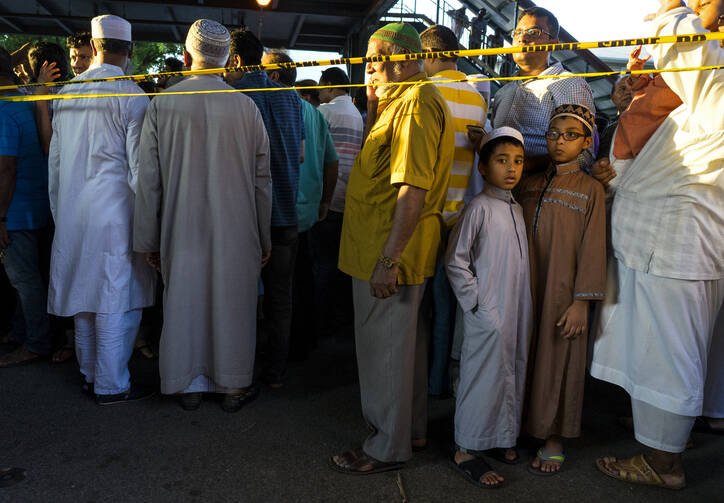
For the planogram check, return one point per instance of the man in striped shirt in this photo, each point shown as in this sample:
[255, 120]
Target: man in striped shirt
[468, 109]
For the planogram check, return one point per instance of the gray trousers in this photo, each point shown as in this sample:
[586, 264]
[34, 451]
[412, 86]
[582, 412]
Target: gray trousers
[391, 336]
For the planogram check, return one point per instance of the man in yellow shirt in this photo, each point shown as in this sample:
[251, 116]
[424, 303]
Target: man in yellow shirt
[391, 240]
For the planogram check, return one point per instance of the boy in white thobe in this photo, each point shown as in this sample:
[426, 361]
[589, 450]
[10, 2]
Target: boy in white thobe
[94, 274]
[487, 264]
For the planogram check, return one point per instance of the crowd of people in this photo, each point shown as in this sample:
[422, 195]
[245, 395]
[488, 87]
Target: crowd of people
[497, 255]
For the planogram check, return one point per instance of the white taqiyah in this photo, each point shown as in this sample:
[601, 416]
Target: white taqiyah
[502, 131]
[110, 26]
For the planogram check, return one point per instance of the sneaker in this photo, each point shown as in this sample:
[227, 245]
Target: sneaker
[134, 394]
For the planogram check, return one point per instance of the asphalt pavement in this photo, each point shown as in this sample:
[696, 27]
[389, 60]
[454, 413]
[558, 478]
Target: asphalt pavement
[277, 448]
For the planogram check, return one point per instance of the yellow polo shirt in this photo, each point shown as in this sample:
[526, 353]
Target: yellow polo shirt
[411, 143]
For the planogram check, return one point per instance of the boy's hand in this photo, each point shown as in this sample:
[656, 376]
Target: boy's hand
[575, 320]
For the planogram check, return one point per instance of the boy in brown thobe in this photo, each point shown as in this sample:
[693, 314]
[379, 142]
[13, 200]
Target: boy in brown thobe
[565, 219]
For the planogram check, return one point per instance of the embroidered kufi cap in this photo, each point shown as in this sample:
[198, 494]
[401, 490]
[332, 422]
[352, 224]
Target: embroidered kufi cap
[110, 26]
[579, 112]
[401, 34]
[208, 40]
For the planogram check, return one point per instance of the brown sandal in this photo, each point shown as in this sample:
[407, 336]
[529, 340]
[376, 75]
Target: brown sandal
[352, 462]
[636, 470]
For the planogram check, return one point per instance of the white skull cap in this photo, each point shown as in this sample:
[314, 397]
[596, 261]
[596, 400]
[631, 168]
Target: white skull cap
[502, 131]
[110, 26]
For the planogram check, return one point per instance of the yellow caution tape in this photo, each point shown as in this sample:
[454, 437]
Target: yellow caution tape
[47, 97]
[461, 53]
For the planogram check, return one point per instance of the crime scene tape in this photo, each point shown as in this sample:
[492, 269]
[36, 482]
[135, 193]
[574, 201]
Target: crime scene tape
[462, 53]
[48, 97]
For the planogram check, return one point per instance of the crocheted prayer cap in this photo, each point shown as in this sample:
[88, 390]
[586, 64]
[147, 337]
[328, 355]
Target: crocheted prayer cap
[579, 112]
[401, 34]
[208, 39]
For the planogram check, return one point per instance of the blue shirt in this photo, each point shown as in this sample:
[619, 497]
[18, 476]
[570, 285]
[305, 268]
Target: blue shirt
[318, 150]
[30, 206]
[281, 112]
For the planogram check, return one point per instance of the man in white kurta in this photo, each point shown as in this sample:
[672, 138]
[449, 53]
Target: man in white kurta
[94, 274]
[655, 336]
[204, 203]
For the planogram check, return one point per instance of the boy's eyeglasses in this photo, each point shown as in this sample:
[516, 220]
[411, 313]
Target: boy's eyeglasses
[567, 135]
[531, 32]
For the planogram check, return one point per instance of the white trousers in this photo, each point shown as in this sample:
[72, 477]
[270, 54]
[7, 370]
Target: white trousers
[103, 345]
[714, 387]
[660, 429]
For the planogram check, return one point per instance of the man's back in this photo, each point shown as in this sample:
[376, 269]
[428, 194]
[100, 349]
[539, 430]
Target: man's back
[282, 115]
[467, 108]
[92, 170]
[19, 138]
[347, 128]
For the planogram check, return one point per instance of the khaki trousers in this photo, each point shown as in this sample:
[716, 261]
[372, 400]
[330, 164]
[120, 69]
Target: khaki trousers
[391, 336]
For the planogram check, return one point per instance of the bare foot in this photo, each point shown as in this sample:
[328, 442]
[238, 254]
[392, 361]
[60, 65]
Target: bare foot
[489, 479]
[20, 356]
[511, 454]
[667, 465]
[63, 354]
[553, 445]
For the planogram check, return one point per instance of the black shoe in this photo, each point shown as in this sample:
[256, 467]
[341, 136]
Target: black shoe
[135, 393]
[233, 402]
[190, 401]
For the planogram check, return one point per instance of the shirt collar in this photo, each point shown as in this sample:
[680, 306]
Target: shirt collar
[449, 75]
[556, 69]
[107, 66]
[340, 98]
[398, 91]
[562, 169]
[498, 193]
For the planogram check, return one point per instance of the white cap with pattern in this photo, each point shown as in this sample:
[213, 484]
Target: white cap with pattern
[209, 41]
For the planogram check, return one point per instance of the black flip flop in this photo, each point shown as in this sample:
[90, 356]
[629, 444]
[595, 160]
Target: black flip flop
[498, 454]
[473, 469]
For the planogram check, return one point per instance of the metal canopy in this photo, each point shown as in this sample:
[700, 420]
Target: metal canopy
[295, 24]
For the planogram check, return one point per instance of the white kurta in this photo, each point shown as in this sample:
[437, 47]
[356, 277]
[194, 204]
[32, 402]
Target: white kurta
[92, 167]
[204, 202]
[488, 268]
[666, 283]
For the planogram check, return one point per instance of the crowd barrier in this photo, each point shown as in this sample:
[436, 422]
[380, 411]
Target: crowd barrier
[569, 46]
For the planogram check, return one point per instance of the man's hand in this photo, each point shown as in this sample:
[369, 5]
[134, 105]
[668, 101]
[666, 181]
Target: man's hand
[475, 136]
[4, 237]
[603, 171]
[575, 320]
[49, 72]
[323, 211]
[154, 260]
[634, 62]
[265, 256]
[383, 282]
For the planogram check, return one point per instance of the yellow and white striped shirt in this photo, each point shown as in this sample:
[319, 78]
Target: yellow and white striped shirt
[468, 108]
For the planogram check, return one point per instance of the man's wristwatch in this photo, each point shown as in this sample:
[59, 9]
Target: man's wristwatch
[387, 262]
